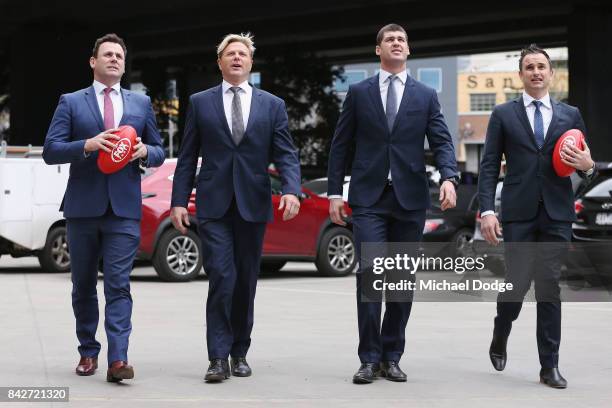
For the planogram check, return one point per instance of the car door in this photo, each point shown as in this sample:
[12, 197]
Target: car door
[294, 237]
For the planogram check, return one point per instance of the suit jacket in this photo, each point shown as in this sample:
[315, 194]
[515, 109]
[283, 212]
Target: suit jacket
[229, 170]
[89, 191]
[529, 172]
[378, 149]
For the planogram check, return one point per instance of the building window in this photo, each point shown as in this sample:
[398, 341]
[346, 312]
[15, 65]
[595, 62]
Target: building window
[255, 79]
[512, 95]
[431, 77]
[482, 102]
[350, 77]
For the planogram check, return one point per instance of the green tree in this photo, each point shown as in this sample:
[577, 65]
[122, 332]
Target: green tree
[305, 82]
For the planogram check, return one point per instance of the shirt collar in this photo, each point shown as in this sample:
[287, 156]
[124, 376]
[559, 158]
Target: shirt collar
[99, 87]
[384, 75]
[225, 86]
[528, 99]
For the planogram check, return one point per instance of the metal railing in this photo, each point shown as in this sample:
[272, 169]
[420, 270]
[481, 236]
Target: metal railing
[19, 151]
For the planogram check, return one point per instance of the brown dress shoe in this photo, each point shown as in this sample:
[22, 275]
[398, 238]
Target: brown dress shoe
[119, 370]
[87, 366]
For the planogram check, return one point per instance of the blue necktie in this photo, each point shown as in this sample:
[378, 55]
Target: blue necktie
[391, 107]
[538, 124]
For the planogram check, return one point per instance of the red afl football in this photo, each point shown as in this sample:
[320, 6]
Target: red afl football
[119, 157]
[573, 137]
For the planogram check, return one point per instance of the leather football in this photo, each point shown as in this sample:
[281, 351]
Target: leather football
[119, 157]
[571, 137]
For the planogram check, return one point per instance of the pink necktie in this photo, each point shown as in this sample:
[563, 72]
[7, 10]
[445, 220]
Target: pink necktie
[109, 113]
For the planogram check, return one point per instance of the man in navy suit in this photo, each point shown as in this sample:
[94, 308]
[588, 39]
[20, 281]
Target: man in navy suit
[103, 211]
[536, 205]
[238, 130]
[386, 118]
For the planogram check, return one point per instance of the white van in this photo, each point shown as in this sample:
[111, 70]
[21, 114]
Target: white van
[30, 196]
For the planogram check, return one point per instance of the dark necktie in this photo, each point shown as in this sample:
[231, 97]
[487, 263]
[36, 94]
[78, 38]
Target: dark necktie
[391, 107]
[237, 121]
[538, 124]
[109, 113]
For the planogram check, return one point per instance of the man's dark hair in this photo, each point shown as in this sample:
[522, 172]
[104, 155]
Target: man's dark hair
[112, 37]
[533, 49]
[386, 29]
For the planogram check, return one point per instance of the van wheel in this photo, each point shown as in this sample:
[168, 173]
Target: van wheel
[55, 256]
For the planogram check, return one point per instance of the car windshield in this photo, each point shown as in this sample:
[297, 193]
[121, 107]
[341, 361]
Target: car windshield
[602, 189]
[318, 186]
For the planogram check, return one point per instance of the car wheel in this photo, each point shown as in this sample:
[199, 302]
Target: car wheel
[460, 243]
[336, 255]
[55, 256]
[178, 257]
[272, 266]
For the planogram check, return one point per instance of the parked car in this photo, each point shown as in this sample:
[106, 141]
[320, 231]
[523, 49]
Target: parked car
[319, 185]
[309, 237]
[589, 254]
[455, 226]
[30, 221]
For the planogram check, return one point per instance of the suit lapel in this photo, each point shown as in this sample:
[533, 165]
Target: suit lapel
[406, 96]
[374, 91]
[519, 108]
[553, 123]
[125, 95]
[256, 100]
[92, 102]
[217, 96]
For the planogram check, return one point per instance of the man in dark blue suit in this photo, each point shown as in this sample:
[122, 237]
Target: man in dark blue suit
[386, 118]
[103, 211]
[536, 205]
[238, 130]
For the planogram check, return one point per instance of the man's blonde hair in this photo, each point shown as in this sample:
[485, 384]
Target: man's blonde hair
[245, 38]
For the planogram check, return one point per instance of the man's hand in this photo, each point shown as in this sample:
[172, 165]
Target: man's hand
[576, 158]
[180, 218]
[291, 204]
[489, 226]
[448, 196]
[102, 141]
[337, 213]
[140, 150]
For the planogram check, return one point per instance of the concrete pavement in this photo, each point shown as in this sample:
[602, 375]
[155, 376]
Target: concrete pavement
[303, 352]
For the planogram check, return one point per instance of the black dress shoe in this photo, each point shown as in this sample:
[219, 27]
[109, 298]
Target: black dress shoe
[497, 352]
[392, 372]
[218, 370]
[366, 373]
[240, 367]
[552, 377]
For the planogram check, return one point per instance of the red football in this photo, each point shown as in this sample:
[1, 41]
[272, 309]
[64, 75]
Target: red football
[119, 157]
[571, 137]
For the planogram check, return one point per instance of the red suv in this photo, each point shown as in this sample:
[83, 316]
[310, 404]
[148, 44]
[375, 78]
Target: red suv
[308, 237]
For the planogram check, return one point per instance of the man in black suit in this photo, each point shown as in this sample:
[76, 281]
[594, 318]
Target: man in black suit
[238, 130]
[387, 118]
[536, 205]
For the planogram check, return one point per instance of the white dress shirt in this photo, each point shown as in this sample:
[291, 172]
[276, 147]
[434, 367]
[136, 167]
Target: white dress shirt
[383, 83]
[246, 94]
[545, 108]
[116, 98]
[547, 113]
